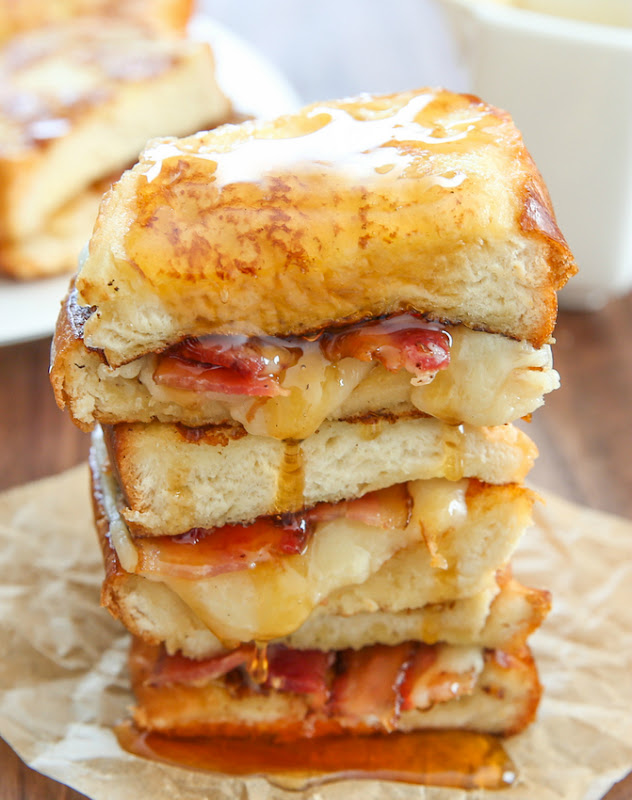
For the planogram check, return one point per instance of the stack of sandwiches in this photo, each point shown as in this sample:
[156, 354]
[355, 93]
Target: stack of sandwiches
[301, 346]
[78, 100]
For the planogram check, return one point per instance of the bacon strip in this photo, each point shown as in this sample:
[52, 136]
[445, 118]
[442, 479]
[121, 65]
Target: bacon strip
[400, 342]
[389, 508]
[181, 374]
[177, 669]
[204, 552]
[426, 682]
[370, 682]
[372, 685]
[300, 671]
[424, 657]
[255, 366]
[228, 364]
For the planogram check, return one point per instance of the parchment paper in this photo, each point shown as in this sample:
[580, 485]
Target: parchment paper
[63, 678]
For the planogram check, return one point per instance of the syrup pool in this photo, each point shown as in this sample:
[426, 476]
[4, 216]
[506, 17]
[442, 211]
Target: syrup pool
[460, 759]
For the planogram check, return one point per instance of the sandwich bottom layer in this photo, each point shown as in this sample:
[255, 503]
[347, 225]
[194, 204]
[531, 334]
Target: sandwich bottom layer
[286, 694]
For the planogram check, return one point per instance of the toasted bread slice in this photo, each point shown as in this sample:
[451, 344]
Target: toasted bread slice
[55, 247]
[500, 616]
[493, 617]
[24, 15]
[341, 212]
[79, 101]
[175, 478]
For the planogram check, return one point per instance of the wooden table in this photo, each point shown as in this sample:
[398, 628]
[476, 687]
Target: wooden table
[584, 431]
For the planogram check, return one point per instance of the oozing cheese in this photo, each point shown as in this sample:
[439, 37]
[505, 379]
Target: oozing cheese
[274, 599]
[446, 551]
[491, 380]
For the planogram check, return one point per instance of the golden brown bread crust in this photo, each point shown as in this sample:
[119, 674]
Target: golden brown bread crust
[221, 476]
[23, 15]
[78, 101]
[504, 701]
[347, 210]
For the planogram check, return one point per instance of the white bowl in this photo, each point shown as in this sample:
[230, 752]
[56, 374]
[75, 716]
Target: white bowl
[568, 85]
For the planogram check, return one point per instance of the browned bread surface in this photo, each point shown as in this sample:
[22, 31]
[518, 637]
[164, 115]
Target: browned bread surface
[78, 101]
[17, 16]
[220, 475]
[347, 210]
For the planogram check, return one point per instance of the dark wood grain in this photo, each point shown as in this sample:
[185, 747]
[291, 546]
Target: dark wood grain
[328, 49]
[37, 438]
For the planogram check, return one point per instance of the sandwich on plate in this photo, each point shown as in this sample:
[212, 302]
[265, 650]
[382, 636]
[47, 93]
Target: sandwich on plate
[300, 346]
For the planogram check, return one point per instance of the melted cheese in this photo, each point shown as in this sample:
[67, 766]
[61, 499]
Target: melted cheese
[317, 390]
[491, 380]
[273, 599]
[439, 506]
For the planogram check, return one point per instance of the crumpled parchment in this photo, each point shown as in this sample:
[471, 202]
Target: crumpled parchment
[63, 682]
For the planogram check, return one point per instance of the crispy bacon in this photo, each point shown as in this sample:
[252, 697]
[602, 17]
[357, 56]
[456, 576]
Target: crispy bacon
[255, 366]
[228, 364]
[424, 657]
[205, 552]
[400, 342]
[372, 685]
[180, 374]
[369, 683]
[252, 356]
[389, 508]
[300, 671]
[177, 669]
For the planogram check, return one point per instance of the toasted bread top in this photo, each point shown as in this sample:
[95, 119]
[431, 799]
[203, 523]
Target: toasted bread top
[17, 16]
[346, 210]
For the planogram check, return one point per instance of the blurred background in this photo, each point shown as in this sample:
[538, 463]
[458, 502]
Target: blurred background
[348, 46]
[307, 51]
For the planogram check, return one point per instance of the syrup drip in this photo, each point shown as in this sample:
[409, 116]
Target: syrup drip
[289, 496]
[259, 665]
[460, 759]
[371, 428]
[453, 446]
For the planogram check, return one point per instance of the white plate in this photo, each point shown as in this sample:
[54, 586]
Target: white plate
[29, 310]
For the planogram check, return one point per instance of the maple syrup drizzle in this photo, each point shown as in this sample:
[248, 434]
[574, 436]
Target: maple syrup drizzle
[371, 428]
[259, 664]
[460, 759]
[453, 449]
[289, 496]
